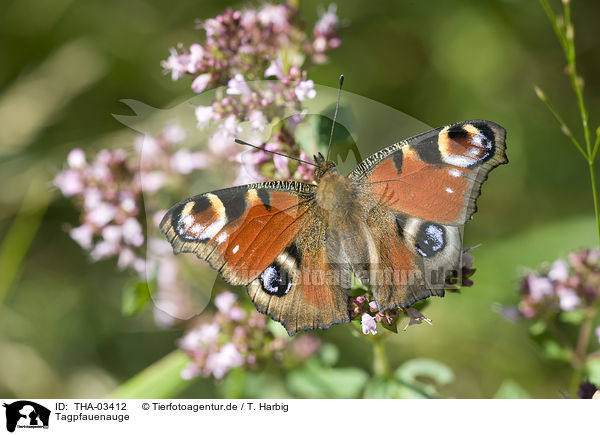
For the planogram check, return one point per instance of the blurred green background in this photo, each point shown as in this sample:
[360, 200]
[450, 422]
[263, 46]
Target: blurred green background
[66, 64]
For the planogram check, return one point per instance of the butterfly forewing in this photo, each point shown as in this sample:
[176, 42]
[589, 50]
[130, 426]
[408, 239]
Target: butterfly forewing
[437, 175]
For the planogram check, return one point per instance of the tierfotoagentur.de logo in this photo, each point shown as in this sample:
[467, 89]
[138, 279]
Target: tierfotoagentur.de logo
[25, 414]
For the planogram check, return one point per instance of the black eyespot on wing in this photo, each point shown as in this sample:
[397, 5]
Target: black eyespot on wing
[275, 281]
[234, 201]
[201, 203]
[458, 133]
[397, 158]
[295, 253]
[265, 198]
[430, 239]
[429, 150]
[486, 131]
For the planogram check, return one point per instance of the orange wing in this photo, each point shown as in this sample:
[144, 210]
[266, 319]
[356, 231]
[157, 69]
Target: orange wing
[437, 175]
[239, 231]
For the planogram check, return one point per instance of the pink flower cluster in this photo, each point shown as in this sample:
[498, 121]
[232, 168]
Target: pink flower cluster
[109, 187]
[233, 337]
[564, 286]
[109, 196]
[242, 47]
[246, 42]
[365, 308]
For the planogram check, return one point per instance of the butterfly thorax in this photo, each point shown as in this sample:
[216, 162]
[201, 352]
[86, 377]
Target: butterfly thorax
[336, 194]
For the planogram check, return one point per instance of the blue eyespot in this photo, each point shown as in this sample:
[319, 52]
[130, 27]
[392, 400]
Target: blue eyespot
[275, 281]
[430, 239]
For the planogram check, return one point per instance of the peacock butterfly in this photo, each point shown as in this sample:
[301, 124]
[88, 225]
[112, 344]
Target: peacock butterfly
[394, 222]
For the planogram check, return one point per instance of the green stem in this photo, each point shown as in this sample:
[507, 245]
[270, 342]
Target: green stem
[596, 145]
[595, 196]
[161, 380]
[566, 36]
[20, 236]
[380, 362]
[581, 348]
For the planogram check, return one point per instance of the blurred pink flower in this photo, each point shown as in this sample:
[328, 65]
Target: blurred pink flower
[195, 58]
[368, 324]
[218, 364]
[76, 158]
[281, 163]
[174, 133]
[257, 120]
[202, 337]
[83, 235]
[568, 299]
[238, 86]
[69, 182]
[184, 161]
[598, 333]
[563, 287]
[201, 82]
[328, 23]
[305, 90]
[539, 287]
[204, 114]
[101, 214]
[559, 271]
[275, 69]
[224, 302]
[190, 371]
[177, 64]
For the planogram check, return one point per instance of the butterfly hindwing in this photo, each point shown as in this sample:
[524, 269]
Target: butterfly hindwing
[437, 175]
[414, 258]
[301, 288]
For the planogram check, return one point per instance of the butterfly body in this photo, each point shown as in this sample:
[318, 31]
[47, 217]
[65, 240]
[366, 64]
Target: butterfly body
[394, 222]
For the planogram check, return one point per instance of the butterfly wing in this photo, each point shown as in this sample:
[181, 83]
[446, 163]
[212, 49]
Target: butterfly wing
[303, 288]
[417, 194]
[437, 175]
[265, 236]
[414, 258]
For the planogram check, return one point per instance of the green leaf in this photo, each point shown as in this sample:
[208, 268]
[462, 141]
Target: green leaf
[574, 317]
[384, 388]
[314, 381]
[553, 350]
[162, 380]
[234, 383]
[381, 388]
[440, 373]
[537, 328]
[264, 386]
[592, 370]
[510, 389]
[391, 327]
[329, 354]
[276, 329]
[136, 295]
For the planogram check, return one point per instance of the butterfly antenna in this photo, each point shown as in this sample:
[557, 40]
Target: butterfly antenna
[241, 142]
[337, 106]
